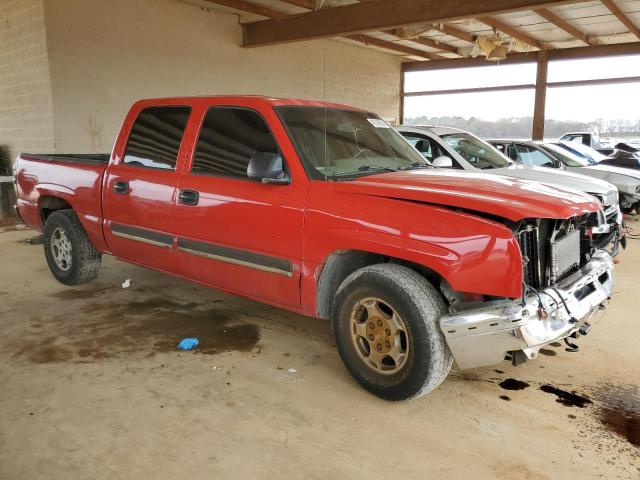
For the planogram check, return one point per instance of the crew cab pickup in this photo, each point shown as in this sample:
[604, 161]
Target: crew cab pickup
[325, 210]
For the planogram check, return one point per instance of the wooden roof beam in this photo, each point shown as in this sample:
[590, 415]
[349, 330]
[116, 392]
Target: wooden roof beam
[611, 5]
[364, 39]
[379, 15]
[511, 31]
[250, 8]
[414, 52]
[308, 4]
[427, 42]
[600, 51]
[566, 26]
[454, 32]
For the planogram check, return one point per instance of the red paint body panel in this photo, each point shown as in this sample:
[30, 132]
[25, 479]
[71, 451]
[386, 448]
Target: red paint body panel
[404, 215]
[477, 255]
[78, 185]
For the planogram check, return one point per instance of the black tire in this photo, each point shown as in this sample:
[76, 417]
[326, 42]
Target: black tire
[84, 261]
[420, 306]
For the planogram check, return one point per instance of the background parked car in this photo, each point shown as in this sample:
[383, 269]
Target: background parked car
[625, 156]
[589, 139]
[447, 147]
[627, 180]
[558, 155]
[592, 155]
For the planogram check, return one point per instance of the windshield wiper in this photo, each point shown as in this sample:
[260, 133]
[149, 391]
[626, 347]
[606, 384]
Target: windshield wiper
[415, 165]
[364, 168]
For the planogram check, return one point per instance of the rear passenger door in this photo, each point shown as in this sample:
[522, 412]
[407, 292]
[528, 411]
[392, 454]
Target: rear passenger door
[235, 233]
[140, 188]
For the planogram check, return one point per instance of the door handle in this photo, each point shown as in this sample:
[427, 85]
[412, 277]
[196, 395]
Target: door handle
[188, 197]
[121, 187]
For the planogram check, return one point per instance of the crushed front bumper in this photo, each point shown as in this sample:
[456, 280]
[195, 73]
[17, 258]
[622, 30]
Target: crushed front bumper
[484, 336]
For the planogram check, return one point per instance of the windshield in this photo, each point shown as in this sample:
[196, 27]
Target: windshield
[475, 151]
[335, 143]
[565, 156]
[583, 151]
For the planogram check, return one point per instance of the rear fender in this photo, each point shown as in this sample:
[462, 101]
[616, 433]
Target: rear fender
[53, 197]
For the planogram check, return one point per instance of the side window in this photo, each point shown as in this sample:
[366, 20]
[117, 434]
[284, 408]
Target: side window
[420, 143]
[155, 138]
[429, 148]
[229, 137]
[534, 157]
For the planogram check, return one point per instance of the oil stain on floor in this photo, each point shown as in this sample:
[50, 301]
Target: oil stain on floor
[513, 384]
[568, 399]
[618, 409]
[107, 329]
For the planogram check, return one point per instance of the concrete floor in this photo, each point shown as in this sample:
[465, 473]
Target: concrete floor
[91, 386]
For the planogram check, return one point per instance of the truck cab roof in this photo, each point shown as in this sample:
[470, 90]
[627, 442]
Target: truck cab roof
[273, 101]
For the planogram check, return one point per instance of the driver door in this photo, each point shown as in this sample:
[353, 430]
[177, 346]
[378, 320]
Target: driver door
[236, 233]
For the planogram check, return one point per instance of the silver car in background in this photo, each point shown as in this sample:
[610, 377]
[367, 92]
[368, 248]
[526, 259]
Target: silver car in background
[447, 147]
[568, 158]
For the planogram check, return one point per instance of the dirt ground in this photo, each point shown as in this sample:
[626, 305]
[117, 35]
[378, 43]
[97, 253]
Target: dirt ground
[92, 386]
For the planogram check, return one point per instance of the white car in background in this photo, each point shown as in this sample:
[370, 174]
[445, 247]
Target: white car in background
[627, 180]
[575, 158]
[447, 147]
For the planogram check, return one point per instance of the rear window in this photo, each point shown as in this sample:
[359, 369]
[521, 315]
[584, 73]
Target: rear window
[154, 141]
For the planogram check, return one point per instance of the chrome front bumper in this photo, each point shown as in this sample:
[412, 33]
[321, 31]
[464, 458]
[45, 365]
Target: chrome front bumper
[483, 336]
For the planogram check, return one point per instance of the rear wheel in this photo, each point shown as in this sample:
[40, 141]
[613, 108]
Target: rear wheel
[385, 322]
[70, 255]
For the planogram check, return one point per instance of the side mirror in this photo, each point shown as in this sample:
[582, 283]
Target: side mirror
[268, 168]
[442, 162]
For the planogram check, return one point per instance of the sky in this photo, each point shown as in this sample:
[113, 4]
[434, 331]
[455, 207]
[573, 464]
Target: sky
[620, 101]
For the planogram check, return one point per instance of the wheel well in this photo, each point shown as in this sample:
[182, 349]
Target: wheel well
[48, 205]
[343, 263]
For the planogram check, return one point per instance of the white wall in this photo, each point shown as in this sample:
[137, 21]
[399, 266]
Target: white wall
[106, 54]
[26, 117]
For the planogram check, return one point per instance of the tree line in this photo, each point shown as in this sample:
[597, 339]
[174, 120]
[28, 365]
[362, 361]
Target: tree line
[520, 127]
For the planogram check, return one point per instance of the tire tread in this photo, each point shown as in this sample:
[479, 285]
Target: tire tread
[426, 300]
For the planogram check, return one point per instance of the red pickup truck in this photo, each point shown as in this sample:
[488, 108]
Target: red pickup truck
[325, 210]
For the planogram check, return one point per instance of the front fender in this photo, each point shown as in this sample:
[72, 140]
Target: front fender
[473, 254]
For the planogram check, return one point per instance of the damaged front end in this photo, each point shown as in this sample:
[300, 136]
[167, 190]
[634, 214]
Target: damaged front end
[567, 280]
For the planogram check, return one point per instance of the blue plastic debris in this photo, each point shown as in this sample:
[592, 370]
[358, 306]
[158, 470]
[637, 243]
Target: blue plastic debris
[188, 343]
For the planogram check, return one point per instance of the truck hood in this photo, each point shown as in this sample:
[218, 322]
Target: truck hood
[511, 198]
[557, 177]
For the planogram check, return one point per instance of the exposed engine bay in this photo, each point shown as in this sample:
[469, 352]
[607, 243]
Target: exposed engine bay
[554, 249]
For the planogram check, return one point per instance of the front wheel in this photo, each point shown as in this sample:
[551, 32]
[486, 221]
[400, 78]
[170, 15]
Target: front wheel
[70, 254]
[385, 322]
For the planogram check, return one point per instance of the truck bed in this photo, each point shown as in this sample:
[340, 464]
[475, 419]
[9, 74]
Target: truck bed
[75, 180]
